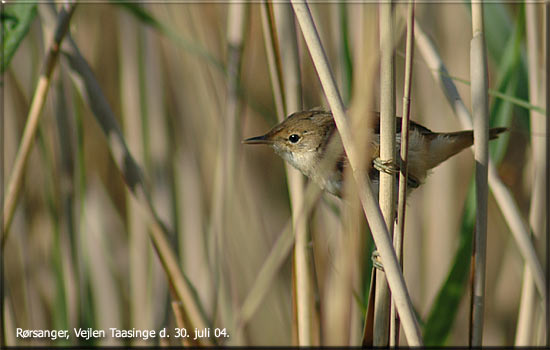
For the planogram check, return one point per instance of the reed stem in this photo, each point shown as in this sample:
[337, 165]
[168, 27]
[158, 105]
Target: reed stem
[503, 196]
[303, 283]
[33, 118]
[527, 312]
[387, 154]
[134, 178]
[370, 206]
[480, 114]
[399, 234]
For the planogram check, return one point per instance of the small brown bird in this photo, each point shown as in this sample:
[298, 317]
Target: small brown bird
[303, 137]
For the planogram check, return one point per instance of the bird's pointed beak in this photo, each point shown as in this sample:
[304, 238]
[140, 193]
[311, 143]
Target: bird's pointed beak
[258, 140]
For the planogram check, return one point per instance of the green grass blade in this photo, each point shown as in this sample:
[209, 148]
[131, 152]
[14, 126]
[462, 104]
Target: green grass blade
[511, 81]
[16, 20]
[191, 47]
[498, 28]
[523, 103]
[443, 312]
[196, 49]
[345, 54]
[504, 38]
[510, 92]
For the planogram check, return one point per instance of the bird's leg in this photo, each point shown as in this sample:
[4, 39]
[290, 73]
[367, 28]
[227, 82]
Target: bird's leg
[389, 167]
[376, 262]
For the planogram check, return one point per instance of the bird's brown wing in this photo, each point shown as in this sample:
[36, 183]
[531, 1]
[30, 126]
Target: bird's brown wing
[412, 125]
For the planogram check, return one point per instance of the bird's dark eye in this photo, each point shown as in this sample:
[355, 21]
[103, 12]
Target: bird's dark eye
[294, 138]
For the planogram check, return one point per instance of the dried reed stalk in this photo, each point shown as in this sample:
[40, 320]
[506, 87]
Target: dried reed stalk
[370, 207]
[505, 200]
[33, 118]
[527, 311]
[179, 312]
[135, 181]
[288, 100]
[480, 113]
[399, 234]
[279, 253]
[387, 155]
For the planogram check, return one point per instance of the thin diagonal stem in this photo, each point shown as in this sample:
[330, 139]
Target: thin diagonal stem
[370, 206]
[399, 234]
[504, 199]
[33, 118]
[135, 181]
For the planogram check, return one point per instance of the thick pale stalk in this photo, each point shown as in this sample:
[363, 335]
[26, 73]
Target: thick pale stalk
[480, 113]
[370, 206]
[537, 210]
[387, 154]
[399, 234]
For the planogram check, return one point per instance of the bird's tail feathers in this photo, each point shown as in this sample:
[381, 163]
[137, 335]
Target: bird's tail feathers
[445, 145]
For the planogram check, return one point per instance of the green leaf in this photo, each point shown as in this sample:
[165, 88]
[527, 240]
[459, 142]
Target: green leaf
[147, 18]
[16, 20]
[510, 76]
[504, 46]
[345, 54]
[503, 96]
[498, 24]
[443, 312]
[504, 37]
[192, 48]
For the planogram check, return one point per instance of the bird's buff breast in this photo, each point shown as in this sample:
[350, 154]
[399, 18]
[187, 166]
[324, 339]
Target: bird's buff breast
[301, 161]
[307, 163]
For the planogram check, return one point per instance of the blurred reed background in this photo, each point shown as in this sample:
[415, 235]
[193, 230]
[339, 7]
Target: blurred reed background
[79, 255]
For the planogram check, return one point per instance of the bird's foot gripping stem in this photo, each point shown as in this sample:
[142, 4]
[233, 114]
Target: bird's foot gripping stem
[376, 262]
[387, 166]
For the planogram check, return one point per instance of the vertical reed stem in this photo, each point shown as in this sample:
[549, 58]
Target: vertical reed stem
[387, 154]
[288, 99]
[399, 234]
[480, 113]
[537, 211]
[370, 207]
[503, 196]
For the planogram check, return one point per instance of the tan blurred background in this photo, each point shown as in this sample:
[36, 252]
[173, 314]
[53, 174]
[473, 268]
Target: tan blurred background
[79, 255]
